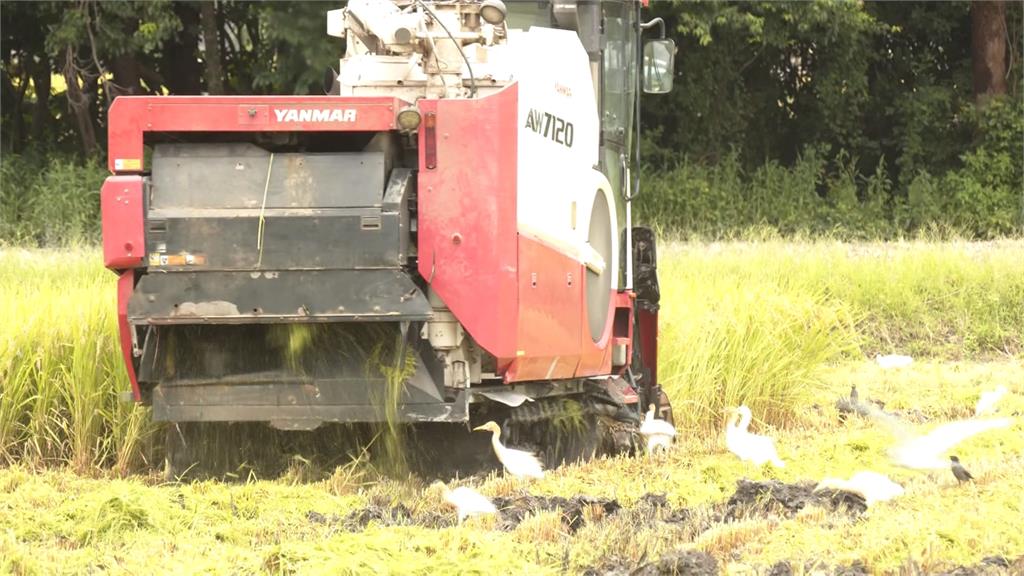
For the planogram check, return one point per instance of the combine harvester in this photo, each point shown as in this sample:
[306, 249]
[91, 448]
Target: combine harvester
[460, 196]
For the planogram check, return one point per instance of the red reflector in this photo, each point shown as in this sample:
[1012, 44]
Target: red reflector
[430, 140]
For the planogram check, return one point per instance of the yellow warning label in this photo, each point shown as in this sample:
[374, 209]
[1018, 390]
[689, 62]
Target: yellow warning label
[184, 259]
[127, 164]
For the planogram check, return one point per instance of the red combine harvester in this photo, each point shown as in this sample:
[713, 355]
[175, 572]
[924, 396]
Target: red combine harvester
[462, 192]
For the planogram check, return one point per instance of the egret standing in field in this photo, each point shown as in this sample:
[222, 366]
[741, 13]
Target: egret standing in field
[659, 433]
[871, 486]
[467, 502]
[519, 463]
[748, 446]
[987, 402]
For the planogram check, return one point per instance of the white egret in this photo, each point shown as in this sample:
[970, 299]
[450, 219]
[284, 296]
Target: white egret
[871, 486]
[926, 452]
[519, 463]
[987, 402]
[659, 433]
[467, 501]
[890, 361]
[748, 446]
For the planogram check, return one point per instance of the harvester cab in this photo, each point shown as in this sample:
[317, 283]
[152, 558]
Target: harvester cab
[445, 236]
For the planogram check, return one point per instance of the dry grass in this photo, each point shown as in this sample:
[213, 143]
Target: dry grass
[60, 365]
[782, 327]
[752, 322]
[60, 521]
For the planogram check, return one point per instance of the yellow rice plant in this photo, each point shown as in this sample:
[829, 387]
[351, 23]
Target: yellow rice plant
[61, 368]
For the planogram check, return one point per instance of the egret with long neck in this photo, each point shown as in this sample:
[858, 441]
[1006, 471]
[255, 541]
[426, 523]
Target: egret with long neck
[748, 446]
[519, 463]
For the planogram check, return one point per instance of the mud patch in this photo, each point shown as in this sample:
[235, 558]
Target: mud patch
[858, 568]
[656, 507]
[990, 566]
[575, 511]
[318, 518]
[689, 562]
[772, 497]
[399, 515]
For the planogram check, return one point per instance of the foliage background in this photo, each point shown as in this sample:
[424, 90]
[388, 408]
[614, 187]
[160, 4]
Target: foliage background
[857, 118]
[852, 119]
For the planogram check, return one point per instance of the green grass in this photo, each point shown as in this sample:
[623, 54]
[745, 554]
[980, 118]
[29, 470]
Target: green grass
[785, 327]
[755, 322]
[61, 367]
[759, 321]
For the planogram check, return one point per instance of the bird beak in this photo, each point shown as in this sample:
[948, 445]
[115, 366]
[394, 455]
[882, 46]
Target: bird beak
[480, 428]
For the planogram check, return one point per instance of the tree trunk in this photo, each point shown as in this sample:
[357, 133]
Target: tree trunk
[126, 80]
[988, 49]
[180, 67]
[41, 118]
[80, 103]
[18, 143]
[211, 47]
[7, 94]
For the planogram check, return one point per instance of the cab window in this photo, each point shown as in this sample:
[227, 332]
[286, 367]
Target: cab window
[618, 71]
[523, 14]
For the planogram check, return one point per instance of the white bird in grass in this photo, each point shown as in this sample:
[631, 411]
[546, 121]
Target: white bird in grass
[749, 447]
[987, 402]
[926, 452]
[890, 361]
[659, 433]
[871, 486]
[467, 502]
[519, 463]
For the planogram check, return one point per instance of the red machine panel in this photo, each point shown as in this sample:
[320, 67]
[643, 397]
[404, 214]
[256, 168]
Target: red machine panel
[125, 287]
[550, 296]
[472, 255]
[132, 116]
[121, 204]
[596, 358]
[467, 214]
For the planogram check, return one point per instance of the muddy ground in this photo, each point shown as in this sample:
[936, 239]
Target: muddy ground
[751, 500]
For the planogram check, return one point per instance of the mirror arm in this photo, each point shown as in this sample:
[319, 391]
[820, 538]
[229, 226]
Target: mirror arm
[659, 22]
[641, 26]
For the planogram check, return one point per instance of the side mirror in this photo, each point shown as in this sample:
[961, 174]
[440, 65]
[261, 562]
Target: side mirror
[659, 66]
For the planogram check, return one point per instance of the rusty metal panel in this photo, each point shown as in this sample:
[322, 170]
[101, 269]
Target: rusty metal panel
[235, 175]
[398, 199]
[276, 296]
[218, 403]
[293, 375]
[332, 238]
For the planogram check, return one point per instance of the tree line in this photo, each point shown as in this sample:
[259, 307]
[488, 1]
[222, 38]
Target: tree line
[765, 77]
[898, 91]
[877, 79]
[100, 50]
